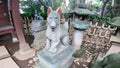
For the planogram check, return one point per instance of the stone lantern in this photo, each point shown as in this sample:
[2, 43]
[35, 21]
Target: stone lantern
[36, 28]
[80, 24]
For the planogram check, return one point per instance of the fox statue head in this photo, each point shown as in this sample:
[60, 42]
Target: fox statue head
[53, 18]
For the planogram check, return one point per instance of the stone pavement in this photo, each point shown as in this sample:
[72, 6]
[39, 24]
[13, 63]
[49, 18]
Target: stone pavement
[115, 48]
[3, 52]
[8, 63]
[115, 41]
[5, 59]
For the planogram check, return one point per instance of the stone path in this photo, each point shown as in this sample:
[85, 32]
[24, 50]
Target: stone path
[8, 63]
[115, 48]
[5, 59]
[3, 52]
[115, 41]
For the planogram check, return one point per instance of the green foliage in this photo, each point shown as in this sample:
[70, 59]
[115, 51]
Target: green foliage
[116, 2]
[94, 7]
[27, 15]
[109, 18]
[54, 3]
[97, 18]
[29, 6]
[67, 15]
[98, 0]
[94, 18]
[110, 61]
[97, 65]
[57, 3]
[44, 14]
[72, 4]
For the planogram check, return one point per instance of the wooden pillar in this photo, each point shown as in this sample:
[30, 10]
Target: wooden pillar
[17, 22]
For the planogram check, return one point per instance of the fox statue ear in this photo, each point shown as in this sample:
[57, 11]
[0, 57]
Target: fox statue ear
[49, 10]
[59, 11]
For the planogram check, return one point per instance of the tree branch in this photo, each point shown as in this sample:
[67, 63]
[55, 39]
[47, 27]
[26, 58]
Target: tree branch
[112, 9]
[43, 3]
[103, 8]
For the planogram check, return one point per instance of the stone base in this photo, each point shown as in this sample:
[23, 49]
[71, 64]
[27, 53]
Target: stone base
[62, 59]
[37, 48]
[26, 55]
[77, 39]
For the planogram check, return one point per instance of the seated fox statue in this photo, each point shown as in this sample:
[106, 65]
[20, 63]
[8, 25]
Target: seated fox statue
[57, 34]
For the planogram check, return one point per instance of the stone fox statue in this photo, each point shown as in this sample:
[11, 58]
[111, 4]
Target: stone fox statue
[57, 35]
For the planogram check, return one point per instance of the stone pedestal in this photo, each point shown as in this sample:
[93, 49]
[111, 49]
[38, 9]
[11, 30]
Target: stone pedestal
[62, 59]
[77, 39]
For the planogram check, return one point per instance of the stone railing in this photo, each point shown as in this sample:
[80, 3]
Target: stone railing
[97, 38]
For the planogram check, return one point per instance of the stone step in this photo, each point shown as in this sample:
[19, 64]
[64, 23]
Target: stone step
[8, 63]
[115, 48]
[115, 39]
[3, 52]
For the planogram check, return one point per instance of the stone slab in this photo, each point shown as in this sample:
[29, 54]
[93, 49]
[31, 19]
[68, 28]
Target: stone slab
[62, 59]
[66, 65]
[113, 49]
[8, 63]
[115, 39]
[3, 52]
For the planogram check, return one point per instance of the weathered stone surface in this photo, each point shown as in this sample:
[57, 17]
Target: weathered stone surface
[8, 63]
[77, 39]
[3, 52]
[37, 28]
[35, 59]
[62, 59]
[56, 33]
[30, 61]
